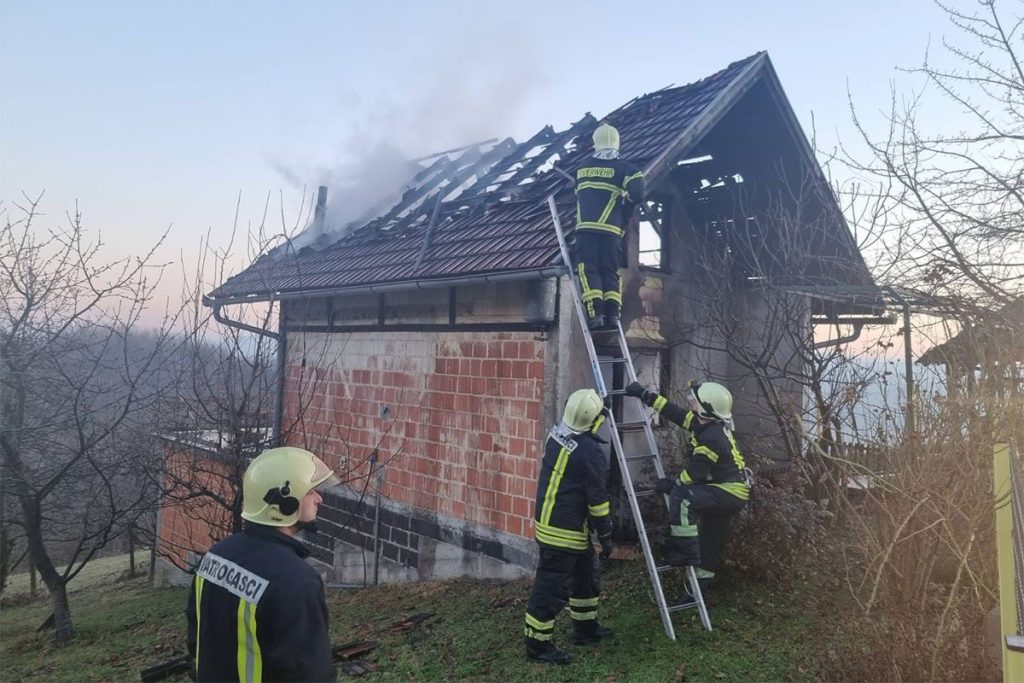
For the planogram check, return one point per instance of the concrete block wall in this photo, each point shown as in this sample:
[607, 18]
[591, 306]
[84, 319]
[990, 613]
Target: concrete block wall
[415, 544]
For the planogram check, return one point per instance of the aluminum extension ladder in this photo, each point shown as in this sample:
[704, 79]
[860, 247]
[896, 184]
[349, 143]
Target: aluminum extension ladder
[626, 360]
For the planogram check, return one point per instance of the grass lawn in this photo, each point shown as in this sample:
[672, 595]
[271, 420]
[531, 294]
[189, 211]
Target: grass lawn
[102, 570]
[476, 634]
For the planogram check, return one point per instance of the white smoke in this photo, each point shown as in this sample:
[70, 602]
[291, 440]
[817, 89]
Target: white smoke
[471, 94]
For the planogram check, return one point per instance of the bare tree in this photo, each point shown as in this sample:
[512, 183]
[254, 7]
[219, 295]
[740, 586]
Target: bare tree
[227, 395]
[762, 273]
[920, 566]
[76, 376]
[954, 191]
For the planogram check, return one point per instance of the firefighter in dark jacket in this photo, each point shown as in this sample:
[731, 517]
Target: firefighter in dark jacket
[257, 610]
[572, 500]
[714, 483]
[608, 191]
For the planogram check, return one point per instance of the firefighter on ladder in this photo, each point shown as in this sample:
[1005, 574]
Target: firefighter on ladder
[608, 191]
[714, 484]
[572, 500]
[257, 610]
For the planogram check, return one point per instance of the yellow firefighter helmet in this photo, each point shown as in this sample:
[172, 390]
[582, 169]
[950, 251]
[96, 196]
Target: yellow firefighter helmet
[606, 137]
[582, 408]
[276, 482]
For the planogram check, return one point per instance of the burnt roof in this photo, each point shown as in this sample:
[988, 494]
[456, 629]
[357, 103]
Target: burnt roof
[481, 209]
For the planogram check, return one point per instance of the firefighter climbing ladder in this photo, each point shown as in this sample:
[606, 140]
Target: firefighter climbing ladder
[596, 363]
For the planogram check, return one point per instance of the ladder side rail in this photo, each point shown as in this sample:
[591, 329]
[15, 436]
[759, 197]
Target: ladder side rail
[659, 467]
[652, 569]
[645, 543]
[595, 367]
[634, 505]
[652, 442]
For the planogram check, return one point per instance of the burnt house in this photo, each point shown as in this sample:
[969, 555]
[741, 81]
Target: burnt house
[439, 333]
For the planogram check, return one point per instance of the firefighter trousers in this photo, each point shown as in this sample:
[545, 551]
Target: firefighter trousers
[597, 266]
[563, 577]
[703, 512]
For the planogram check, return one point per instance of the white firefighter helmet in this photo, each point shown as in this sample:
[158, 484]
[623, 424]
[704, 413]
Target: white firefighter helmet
[606, 137]
[714, 399]
[582, 408]
[276, 482]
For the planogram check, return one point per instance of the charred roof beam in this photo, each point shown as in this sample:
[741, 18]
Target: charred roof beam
[517, 155]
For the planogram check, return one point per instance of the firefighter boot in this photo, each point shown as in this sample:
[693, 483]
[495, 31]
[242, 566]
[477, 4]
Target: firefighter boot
[611, 315]
[591, 631]
[546, 652]
[596, 323]
[682, 552]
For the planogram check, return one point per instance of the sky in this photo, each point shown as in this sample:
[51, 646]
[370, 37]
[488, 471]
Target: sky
[163, 117]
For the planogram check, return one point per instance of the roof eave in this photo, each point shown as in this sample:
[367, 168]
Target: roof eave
[546, 272]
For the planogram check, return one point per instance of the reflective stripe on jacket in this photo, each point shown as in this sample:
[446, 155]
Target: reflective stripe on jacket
[257, 611]
[570, 490]
[713, 458]
[606, 192]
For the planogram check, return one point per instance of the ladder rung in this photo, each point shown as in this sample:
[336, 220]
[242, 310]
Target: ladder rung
[630, 426]
[630, 458]
[648, 492]
[611, 360]
[680, 608]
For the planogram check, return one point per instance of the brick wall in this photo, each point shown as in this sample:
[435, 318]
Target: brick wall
[192, 526]
[456, 417]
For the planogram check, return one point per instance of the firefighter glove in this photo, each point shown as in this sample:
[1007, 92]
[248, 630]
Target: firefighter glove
[665, 485]
[641, 392]
[606, 546]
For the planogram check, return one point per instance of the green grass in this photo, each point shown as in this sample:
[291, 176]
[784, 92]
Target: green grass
[476, 634]
[121, 628]
[102, 570]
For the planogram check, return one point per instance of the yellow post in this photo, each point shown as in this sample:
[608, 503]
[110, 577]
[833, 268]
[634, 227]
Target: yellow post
[1013, 662]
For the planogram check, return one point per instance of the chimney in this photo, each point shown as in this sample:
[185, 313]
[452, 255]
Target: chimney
[321, 206]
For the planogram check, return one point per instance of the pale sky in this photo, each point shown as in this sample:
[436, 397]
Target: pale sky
[155, 115]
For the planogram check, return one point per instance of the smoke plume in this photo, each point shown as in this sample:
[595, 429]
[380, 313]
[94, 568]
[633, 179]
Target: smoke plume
[468, 95]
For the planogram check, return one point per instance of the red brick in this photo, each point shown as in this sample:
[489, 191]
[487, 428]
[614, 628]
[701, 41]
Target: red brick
[535, 370]
[518, 369]
[484, 442]
[506, 503]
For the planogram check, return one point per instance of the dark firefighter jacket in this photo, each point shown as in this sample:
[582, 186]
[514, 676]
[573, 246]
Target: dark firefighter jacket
[713, 456]
[257, 611]
[571, 489]
[606, 192]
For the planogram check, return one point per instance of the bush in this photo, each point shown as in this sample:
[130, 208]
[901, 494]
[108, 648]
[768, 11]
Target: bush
[782, 534]
[921, 556]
